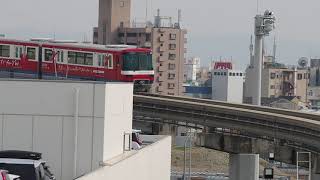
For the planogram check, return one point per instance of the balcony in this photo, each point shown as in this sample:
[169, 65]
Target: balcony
[161, 69]
[162, 49]
[161, 78]
[161, 39]
[161, 59]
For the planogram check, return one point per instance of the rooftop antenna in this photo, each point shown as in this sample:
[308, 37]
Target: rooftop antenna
[146, 11]
[257, 6]
[179, 17]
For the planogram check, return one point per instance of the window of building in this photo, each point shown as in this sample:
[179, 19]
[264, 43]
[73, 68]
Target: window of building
[225, 73]
[172, 56]
[299, 76]
[305, 76]
[31, 53]
[237, 74]
[272, 87]
[121, 35]
[215, 73]
[121, 3]
[161, 45]
[171, 76]
[161, 35]
[310, 93]
[173, 36]
[233, 74]
[171, 85]
[241, 74]
[230, 74]
[4, 51]
[161, 54]
[148, 37]
[272, 75]
[131, 34]
[172, 66]
[172, 46]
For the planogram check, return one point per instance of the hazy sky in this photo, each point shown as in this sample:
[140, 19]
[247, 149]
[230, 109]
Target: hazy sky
[215, 27]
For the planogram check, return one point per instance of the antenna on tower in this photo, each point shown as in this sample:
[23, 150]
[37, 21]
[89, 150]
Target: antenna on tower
[251, 51]
[274, 49]
[146, 11]
[257, 6]
[179, 17]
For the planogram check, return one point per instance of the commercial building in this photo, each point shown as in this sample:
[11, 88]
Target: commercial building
[227, 85]
[112, 15]
[81, 128]
[191, 68]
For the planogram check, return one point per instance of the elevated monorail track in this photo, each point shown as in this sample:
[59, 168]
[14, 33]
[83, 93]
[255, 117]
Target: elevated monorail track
[302, 129]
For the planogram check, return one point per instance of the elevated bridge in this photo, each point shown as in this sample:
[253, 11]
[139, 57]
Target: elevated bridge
[251, 129]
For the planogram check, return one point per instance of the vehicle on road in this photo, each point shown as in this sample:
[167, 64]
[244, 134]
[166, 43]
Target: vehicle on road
[27, 165]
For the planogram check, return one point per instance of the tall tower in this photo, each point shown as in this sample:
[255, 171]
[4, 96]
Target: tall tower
[112, 15]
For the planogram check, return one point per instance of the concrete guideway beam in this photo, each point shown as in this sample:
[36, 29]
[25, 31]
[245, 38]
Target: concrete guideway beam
[244, 167]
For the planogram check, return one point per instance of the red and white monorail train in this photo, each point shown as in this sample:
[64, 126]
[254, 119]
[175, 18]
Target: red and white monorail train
[70, 60]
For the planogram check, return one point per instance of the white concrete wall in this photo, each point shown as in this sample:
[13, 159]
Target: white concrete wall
[150, 163]
[227, 88]
[235, 89]
[39, 116]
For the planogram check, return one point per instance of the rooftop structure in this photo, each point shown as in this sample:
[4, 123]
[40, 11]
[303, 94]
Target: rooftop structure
[227, 85]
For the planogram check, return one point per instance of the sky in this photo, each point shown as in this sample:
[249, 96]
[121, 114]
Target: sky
[216, 28]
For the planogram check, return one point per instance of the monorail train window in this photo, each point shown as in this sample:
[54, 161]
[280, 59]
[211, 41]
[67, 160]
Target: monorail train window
[48, 55]
[60, 56]
[71, 57]
[4, 51]
[110, 61]
[18, 51]
[101, 60]
[80, 57]
[31, 53]
[89, 59]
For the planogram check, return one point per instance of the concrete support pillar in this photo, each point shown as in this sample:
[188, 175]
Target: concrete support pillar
[244, 167]
[315, 168]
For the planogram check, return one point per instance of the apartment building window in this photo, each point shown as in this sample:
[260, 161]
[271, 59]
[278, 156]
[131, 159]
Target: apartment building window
[173, 36]
[172, 56]
[132, 34]
[161, 45]
[172, 46]
[171, 76]
[171, 66]
[148, 37]
[171, 94]
[121, 3]
[272, 75]
[299, 76]
[272, 87]
[161, 54]
[305, 76]
[171, 85]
